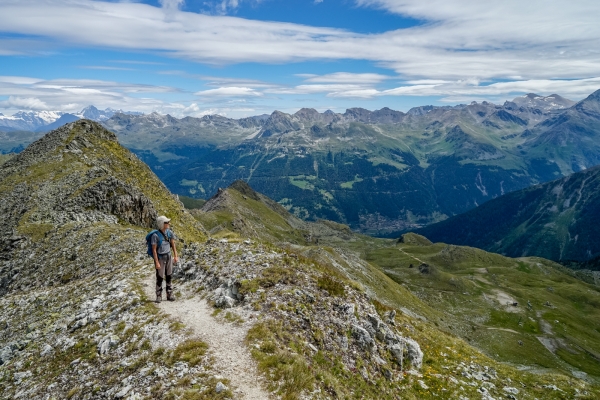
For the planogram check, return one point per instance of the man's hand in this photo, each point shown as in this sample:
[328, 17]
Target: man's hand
[157, 265]
[175, 259]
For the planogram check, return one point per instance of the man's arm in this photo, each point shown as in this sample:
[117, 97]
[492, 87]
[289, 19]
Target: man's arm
[156, 263]
[175, 258]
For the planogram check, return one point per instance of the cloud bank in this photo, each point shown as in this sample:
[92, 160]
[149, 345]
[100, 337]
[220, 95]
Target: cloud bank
[458, 39]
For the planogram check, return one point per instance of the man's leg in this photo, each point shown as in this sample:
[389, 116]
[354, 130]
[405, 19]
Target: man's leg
[160, 275]
[169, 276]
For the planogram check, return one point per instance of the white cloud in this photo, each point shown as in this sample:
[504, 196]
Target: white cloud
[74, 94]
[459, 49]
[230, 91]
[24, 103]
[346, 77]
[460, 91]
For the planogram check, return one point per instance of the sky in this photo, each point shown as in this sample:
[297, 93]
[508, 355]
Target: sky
[249, 57]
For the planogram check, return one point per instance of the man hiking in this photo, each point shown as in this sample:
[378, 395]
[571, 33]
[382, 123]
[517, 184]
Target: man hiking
[161, 252]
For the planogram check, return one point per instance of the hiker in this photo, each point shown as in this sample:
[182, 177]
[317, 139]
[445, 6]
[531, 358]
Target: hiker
[161, 252]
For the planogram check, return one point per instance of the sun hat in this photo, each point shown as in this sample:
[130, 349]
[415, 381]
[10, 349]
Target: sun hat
[160, 221]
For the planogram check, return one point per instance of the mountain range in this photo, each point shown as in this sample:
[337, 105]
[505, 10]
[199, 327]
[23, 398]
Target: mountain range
[45, 121]
[317, 310]
[381, 172]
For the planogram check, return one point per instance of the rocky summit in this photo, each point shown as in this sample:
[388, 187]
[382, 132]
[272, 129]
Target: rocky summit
[268, 306]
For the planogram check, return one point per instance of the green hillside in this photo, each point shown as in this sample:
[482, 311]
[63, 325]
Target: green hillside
[559, 220]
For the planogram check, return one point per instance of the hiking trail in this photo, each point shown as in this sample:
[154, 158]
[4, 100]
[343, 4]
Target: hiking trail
[232, 359]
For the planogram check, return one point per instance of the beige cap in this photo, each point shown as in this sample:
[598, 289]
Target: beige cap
[160, 221]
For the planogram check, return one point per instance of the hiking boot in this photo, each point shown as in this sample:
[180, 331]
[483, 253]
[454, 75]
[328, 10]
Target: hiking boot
[158, 298]
[170, 297]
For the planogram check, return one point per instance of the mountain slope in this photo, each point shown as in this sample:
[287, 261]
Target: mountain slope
[74, 322]
[558, 220]
[570, 138]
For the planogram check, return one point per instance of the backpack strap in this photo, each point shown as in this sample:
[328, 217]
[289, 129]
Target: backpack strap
[168, 237]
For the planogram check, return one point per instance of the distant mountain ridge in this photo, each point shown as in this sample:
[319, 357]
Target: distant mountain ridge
[381, 171]
[45, 121]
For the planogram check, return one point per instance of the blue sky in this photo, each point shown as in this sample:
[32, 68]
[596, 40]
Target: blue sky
[249, 57]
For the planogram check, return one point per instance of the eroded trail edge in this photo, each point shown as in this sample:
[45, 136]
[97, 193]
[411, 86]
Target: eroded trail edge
[232, 359]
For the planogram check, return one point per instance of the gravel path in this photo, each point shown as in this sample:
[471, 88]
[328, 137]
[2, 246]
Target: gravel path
[232, 360]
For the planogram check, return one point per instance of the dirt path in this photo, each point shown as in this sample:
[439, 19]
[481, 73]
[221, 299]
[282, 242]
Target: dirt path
[410, 255]
[503, 329]
[232, 360]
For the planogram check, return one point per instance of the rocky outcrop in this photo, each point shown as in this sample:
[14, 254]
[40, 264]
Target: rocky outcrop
[248, 276]
[117, 198]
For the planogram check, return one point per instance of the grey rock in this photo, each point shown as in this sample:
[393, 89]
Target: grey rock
[407, 349]
[347, 309]
[363, 338]
[6, 353]
[415, 355]
[46, 350]
[20, 376]
[391, 317]
[510, 390]
[312, 347]
[398, 353]
[551, 387]
[375, 321]
[343, 341]
[220, 387]
[123, 392]
[378, 360]
[225, 302]
[107, 343]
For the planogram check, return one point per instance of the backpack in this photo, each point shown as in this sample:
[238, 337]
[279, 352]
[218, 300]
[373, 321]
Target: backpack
[160, 239]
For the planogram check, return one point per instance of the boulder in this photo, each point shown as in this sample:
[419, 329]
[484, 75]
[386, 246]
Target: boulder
[224, 302]
[407, 349]
[363, 338]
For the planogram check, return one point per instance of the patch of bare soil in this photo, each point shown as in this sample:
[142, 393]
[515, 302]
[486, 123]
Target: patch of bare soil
[506, 300]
